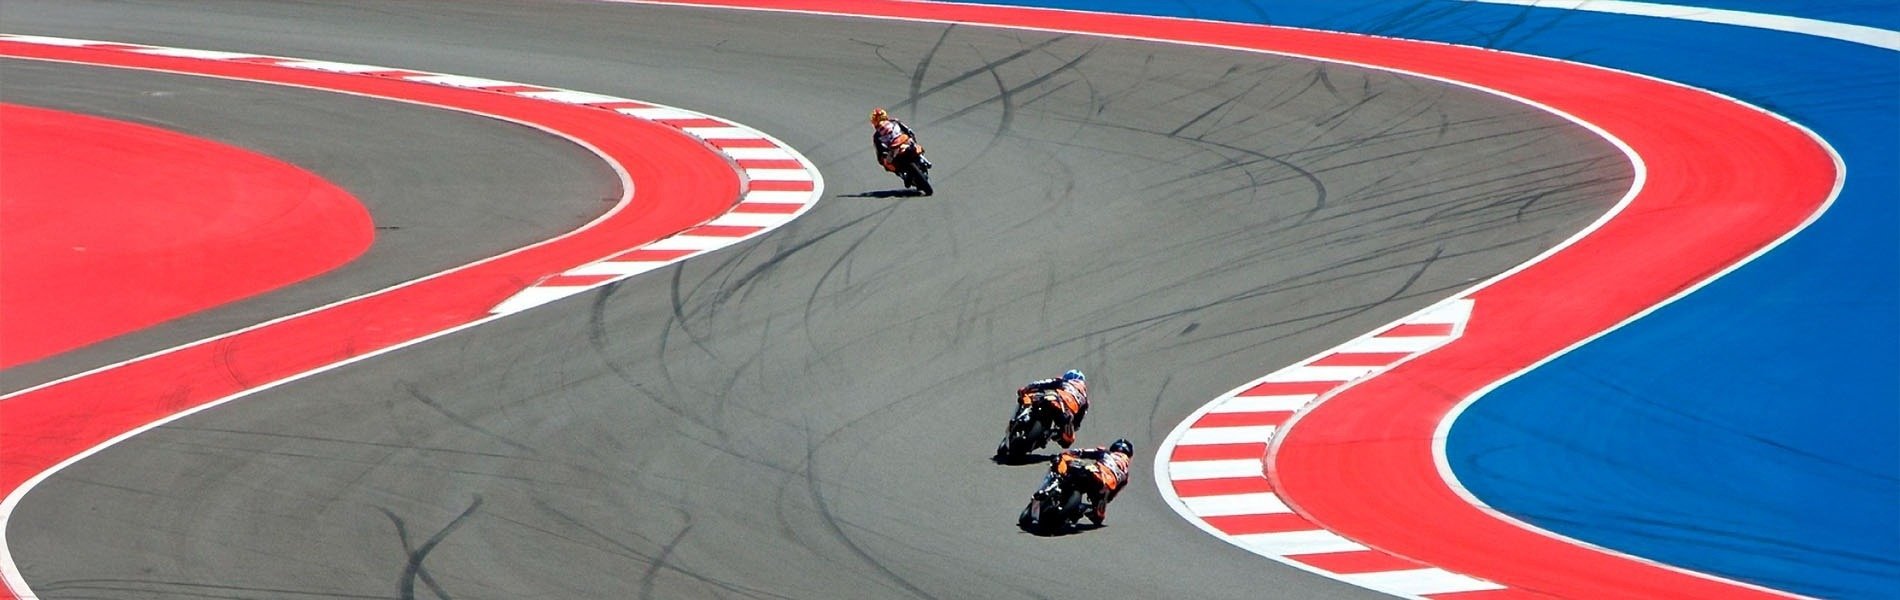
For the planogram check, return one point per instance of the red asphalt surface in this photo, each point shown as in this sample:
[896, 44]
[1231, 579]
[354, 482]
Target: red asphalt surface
[1723, 182]
[1364, 471]
[108, 227]
[681, 182]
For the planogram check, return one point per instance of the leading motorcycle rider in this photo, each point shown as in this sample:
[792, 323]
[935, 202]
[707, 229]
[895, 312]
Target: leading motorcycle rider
[1111, 468]
[1073, 387]
[884, 132]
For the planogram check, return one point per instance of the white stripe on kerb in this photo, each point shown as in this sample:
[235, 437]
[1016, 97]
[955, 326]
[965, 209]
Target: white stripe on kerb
[1226, 435]
[778, 197]
[658, 113]
[778, 174]
[571, 97]
[1384, 345]
[334, 67]
[751, 219]
[1188, 470]
[690, 242]
[462, 81]
[1294, 543]
[534, 296]
[722, 133]
[757, 153]
[1419, 582]
[200, 54]
[616, 268]
[1303, 374]
[1244, 404]
[1263, 503]
[1455, 313]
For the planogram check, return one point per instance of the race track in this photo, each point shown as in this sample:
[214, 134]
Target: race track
[445, 188]
[810, 414]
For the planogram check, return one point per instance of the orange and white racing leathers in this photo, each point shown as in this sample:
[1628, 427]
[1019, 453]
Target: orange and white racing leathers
[1075, 402]
[1111, 469]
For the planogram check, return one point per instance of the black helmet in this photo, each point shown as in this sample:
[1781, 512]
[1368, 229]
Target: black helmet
[1122, 446]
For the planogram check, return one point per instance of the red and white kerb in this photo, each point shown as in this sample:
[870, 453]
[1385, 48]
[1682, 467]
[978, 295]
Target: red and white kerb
[778, 184]
[1212, 467]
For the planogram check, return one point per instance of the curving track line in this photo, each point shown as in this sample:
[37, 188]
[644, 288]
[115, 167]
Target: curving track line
[694, 519]
[692, 203]
[1708, 211]
[1846, 32]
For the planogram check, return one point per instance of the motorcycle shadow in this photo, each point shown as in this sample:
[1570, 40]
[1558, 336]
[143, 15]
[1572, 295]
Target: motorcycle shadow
[904, 193]
[1082, 527]
[1025, 459]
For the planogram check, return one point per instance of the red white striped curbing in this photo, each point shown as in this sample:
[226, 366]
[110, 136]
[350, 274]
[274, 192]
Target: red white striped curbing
[80, 415]
[778, 184]
[1212, 466]
[1372, 470]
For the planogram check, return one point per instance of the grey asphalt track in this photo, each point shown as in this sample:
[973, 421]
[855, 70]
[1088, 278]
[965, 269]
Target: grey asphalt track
[810, 414]
[445, 188]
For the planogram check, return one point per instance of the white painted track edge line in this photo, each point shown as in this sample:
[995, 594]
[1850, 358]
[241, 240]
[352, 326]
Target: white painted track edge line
[626, 182]
[1167, 446]
[1441, 434]
[1846, 32]
[9, 571]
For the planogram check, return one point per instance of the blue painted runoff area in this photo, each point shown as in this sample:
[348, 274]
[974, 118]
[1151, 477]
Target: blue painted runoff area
[1751, 429]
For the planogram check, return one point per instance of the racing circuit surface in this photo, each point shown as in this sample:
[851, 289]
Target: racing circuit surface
[810, 414]
[431, 178]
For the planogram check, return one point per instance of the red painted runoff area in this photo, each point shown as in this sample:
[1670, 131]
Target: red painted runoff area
[681, 182]
[1362, 464]
[109, 226]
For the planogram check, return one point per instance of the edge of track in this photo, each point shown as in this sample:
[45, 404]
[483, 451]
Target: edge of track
[729, 183]
[1359, 550]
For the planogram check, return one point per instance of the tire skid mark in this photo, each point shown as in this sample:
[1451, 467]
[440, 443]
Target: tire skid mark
[413, 569]
[566, 265]
[1550, 85]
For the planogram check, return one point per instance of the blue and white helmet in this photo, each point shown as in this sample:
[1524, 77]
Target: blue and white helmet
[1073, 375]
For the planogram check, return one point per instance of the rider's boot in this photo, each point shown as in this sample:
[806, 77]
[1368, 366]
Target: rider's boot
[1068, 436]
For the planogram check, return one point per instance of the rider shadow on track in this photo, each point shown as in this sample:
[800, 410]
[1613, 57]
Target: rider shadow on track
[906, 193]
[1081, 527]
[1023, 459]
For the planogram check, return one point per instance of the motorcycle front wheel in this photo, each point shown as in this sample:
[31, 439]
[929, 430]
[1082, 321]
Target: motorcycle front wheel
[914, 176]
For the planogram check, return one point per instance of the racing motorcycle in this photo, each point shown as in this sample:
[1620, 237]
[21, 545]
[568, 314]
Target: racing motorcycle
[907, 161]
[1038, 421]
[1063, 498]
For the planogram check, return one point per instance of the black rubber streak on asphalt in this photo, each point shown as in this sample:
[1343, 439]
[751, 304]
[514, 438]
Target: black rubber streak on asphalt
[810, 414]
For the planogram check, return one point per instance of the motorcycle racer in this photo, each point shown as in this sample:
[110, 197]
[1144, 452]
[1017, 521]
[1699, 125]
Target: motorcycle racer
[884, 135]
[1073, 388]
[1111, 468]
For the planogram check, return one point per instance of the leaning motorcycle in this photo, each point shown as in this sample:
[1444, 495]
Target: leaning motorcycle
[907, 161]
[1063, 498]
[1037, 421]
